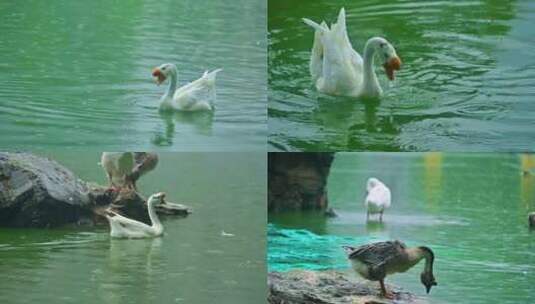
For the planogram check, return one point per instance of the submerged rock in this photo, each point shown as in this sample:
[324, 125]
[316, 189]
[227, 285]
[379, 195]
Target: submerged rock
[330, 212]
[39, 192]
[329, 287]
[297, 181]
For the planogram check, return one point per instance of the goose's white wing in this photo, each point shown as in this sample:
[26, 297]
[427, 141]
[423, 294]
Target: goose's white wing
[127, 223]
[316, 56]
[199, 94]
[341, 66]
[379, 197]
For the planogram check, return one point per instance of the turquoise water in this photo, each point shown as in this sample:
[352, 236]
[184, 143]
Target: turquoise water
[471, 209]
[191, 263]
[78, 73]
[467, 82]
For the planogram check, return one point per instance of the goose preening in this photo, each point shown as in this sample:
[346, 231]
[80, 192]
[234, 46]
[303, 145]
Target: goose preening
[118, 165]
[145, 162]
[337, 69]
[125, 168]
[198, 95]
[377, 260]
[123, 227]
[378, 198]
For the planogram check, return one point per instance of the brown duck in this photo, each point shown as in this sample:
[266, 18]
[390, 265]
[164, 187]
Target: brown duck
[377, 260]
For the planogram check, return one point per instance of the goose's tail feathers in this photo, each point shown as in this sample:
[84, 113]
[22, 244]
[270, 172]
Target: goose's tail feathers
[210, 76]
[320, 28]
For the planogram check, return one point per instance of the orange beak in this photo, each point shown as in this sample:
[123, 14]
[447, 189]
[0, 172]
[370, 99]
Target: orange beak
[159, 76]
[393, 64]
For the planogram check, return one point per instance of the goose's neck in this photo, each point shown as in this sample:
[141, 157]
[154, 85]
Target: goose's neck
[173, 81]
[415, 255]
[370, 82]
[154, 217]
[427, 254]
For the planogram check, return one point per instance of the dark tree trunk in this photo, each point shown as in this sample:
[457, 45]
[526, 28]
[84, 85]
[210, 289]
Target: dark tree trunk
[297, 181]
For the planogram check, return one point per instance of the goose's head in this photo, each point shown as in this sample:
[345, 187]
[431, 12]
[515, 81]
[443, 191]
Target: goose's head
[372, 183]
[428, 279]
[391, 61]
[157, 199]
[163, 72]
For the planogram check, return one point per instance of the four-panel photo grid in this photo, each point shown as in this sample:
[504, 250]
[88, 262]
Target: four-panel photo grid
[267, 151]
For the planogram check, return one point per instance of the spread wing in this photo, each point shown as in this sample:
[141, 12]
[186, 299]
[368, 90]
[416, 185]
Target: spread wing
[145, 162]
[126, 163]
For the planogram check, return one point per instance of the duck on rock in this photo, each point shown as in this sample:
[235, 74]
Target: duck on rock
[377, 260]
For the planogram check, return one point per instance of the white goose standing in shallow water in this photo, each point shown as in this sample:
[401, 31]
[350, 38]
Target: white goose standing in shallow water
[198, 95]
[337, 69]
[123, 227]
[378, 198]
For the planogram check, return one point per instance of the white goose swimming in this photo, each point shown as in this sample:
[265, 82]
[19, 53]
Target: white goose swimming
[198, 95]
[378, 198]
[337, 69]
[123, 227]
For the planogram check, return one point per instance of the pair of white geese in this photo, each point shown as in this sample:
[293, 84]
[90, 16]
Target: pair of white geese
[335, 67]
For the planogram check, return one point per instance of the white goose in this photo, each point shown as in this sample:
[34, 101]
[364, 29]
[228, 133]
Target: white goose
[378, 198]
[198, 95]
[337, 69]
[123, 227]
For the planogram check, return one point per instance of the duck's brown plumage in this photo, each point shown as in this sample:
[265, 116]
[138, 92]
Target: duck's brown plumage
[379, 257]
[376, 260]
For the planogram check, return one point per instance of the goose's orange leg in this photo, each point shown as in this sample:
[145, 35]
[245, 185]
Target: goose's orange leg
[385, 293]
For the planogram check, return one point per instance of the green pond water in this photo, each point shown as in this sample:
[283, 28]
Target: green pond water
[78, 73]
[471, 209]
[191, 263]
[467, 82]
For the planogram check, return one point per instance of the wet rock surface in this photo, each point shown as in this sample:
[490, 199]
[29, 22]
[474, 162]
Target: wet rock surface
[329, 287]
[39, 192]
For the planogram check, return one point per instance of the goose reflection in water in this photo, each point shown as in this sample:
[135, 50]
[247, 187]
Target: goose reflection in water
[358, 117]
[131, 270]
[199, 123]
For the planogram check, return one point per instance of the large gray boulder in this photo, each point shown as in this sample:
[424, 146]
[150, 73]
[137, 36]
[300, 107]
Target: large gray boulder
[329, 287]
[39, 192]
